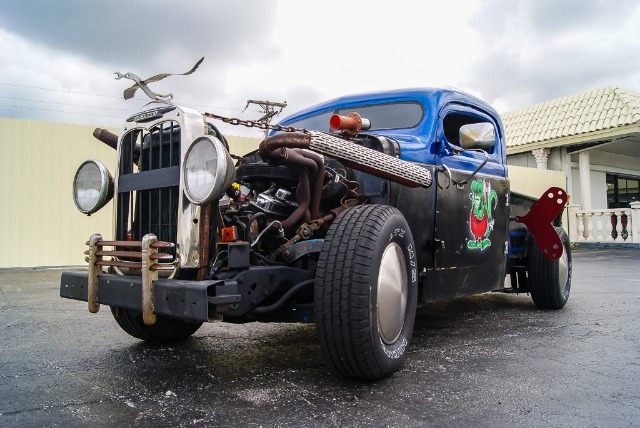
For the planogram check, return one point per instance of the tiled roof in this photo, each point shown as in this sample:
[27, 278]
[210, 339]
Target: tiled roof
[583, 113]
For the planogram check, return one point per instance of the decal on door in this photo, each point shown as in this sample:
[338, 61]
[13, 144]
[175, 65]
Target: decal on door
[483, 201]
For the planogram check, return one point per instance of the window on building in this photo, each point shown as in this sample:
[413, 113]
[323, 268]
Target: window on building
[622, 190]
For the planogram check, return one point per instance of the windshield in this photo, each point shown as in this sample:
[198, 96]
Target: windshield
[399, 115]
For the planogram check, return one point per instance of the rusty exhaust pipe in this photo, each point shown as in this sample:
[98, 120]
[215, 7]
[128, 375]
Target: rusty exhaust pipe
[107, 137]
[111, 140]
[273, 149]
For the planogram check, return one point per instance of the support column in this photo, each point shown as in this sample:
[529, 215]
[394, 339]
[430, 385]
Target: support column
[542, 156]
[635, 222]
[585, 179]
[566, 166]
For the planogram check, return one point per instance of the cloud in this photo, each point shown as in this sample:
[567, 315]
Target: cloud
[536, 50]
[143, 34]
[72, 46]
[512, 54]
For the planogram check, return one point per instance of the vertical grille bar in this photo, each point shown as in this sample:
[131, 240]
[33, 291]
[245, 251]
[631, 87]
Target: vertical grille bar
[172, 231]
[161, 165]
[133, 141]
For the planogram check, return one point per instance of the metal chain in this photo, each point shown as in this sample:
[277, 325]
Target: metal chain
[255, 124]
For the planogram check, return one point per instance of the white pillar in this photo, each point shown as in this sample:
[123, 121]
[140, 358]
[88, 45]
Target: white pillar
[566, 166]
[541, 156]
[635, 222]
[585, 179]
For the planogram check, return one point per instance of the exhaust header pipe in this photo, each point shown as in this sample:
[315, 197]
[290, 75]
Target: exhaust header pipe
[274, 149]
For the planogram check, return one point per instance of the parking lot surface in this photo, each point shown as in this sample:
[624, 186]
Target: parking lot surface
[488, 360]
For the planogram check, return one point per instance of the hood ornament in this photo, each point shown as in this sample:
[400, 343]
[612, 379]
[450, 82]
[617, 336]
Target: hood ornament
[143, 84]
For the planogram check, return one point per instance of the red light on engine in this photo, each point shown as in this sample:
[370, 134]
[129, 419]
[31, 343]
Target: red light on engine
[229, 234]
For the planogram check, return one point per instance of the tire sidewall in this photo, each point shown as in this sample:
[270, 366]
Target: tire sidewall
[395, 230]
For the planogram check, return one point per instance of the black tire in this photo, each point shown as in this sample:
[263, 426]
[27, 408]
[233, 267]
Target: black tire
[550, 280]
[357, 338]
[165, 330]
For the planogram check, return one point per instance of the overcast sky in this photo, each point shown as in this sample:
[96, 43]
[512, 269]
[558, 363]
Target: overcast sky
[57, 58]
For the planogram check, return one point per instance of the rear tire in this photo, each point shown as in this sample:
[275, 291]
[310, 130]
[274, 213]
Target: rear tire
[366, 292]
[550, 280]
[165, 330]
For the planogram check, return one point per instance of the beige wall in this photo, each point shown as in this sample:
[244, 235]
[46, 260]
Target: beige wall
[532, 181]
[39, 224]
[241, 146]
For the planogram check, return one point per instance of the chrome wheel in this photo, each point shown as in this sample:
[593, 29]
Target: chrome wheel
[563, 272]
[392, 293]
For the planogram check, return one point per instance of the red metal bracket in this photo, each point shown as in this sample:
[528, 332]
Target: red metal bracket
[538, 221]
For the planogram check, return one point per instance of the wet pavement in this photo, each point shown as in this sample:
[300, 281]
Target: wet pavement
[489, 360]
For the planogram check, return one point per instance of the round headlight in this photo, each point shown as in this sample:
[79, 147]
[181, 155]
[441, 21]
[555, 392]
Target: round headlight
[208, 170]
[92, 187]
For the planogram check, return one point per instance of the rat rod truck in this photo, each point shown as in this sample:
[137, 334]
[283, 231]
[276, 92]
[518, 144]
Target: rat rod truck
[350, 215]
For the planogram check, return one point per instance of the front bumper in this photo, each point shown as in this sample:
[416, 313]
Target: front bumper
[185, 300]
[237, 295]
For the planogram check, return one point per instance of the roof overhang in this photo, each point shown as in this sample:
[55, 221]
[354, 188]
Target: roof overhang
[586, 141]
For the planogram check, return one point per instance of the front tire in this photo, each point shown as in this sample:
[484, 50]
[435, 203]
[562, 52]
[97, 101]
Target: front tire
[550, 280]
[165, 330]
[366, 292]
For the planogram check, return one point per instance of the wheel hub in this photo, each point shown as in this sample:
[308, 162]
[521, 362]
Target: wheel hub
[392, 293]
[563, 271]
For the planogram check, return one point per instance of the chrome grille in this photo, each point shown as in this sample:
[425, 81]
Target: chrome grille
[149, 183]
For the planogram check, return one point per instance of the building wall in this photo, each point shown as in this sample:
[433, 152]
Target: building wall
[241, 146]
[525, 160]
[39, 223]
[598, 189]
[612, 162]
[601, 163]
[532, 181]
[528, 179]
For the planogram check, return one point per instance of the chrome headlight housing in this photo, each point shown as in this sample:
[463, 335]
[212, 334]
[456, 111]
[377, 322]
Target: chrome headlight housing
[207, 170]
[92, 187]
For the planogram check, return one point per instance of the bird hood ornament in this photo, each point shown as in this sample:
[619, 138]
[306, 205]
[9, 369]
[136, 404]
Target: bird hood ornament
[143, 84]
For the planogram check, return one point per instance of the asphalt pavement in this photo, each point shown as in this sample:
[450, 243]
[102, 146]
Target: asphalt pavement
[492, 360]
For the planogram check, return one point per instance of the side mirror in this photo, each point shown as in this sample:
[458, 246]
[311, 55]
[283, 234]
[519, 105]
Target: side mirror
[477, 136]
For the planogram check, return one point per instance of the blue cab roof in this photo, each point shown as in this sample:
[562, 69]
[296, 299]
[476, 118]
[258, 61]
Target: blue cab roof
[415, 142]
[432, 99]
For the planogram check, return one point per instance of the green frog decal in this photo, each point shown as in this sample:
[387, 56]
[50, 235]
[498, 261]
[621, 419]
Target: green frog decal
[483, 201]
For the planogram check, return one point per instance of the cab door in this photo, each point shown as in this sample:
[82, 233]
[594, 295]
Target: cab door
[472, 213]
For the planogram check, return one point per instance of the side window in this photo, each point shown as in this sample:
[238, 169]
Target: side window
[319, 122]
[454, 121]
[385, 116]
